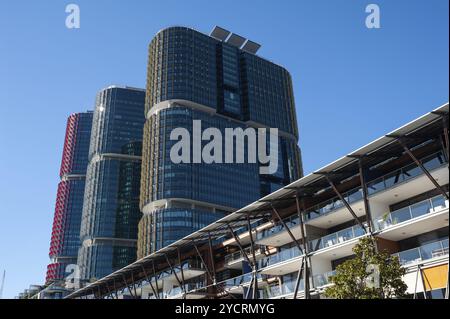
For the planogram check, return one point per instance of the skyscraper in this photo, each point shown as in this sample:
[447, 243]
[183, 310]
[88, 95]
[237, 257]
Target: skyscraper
[111, 211]
[65, 240]
[219, 80]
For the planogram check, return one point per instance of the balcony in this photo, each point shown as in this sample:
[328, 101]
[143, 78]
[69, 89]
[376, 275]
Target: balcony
[423, 253]
[428, 206]
[192, 291]
[281, 263]
[191, 269]
[336, 238]
[237, 284]
[277, 235]
[435, 162]
[235, 259]
[323, 279]
[428, 215]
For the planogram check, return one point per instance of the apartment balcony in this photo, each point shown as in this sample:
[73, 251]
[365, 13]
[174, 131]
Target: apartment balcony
[193, 291]
[235, 259]
[238, 285]
[168, 278]
[281, 263]
[243, 234]
[426, 215]
[277, 235]
[427, 252]
[323, 280]
[393, 187]
[338, 238]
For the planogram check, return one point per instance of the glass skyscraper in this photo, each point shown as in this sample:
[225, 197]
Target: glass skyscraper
[111, 200]
[193, 76]
[65, 240]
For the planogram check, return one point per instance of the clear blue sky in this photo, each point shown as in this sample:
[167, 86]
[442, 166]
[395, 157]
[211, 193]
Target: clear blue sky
[351, 84]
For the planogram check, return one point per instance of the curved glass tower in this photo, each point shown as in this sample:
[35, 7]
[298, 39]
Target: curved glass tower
[111, 211]
[65, 240]
[193, 76]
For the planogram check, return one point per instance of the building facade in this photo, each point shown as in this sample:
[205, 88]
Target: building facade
[110, 211]
[288, 244]
[222, 83]
[65, 240]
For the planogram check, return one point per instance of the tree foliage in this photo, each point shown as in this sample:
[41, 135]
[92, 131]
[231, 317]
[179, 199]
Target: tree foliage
[370, 275]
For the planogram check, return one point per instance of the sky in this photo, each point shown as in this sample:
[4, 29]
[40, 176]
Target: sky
[351, 84]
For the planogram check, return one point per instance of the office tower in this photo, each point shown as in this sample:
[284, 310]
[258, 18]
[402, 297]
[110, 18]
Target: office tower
[65, 240]
[111, 211]
[394, 189]
[219, 80]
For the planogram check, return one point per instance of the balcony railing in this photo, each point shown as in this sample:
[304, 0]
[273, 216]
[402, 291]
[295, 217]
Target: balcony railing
[291, 221]
[236, 281]
[405, 173]
[238, 254]
[382, 183]
[279, 257]
[424, 252]
[427, 206]
[323, 279]
[335, 203]
[336, 238]
[190, 287]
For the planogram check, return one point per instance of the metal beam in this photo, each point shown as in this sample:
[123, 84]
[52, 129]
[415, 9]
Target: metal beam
[134, 285]
[211, 254]
[203, 262]
[305, 248]
[287, 228]
[299, 276]
[240, 246]
[174, 272]
[426, 172]
[150, 283]
[362, 179]
[182, 273]
[156, 278]
[126, 285]
[115, 289]
[345, 202]
[255, 264]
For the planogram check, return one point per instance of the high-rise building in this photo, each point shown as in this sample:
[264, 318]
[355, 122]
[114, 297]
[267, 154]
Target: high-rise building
[111, 200]
[219, 80]
[65, 240]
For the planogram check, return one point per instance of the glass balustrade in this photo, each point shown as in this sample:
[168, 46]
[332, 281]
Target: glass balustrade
[424, 252]
[290, 222]
[336, 238]
[323, 279]
[238, 254]
[382, 183]
[427, 206]
[405, 173]
[281, 256]
[236, 281]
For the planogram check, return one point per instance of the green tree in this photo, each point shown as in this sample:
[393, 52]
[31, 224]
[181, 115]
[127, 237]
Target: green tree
[370, 275]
